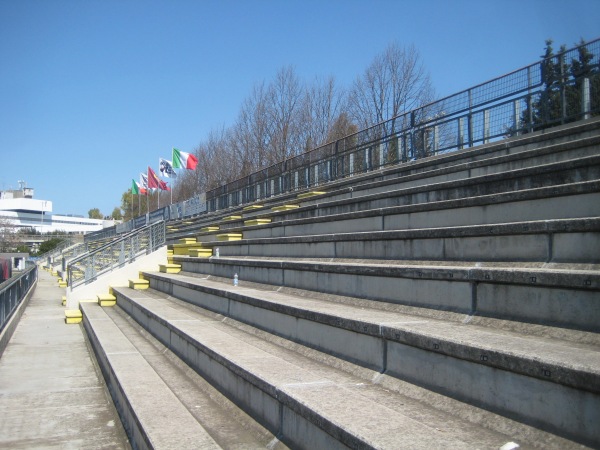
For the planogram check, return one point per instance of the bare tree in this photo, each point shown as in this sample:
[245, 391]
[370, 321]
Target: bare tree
[252, 131]
[284, 111]
[321, 108]
[395, 83]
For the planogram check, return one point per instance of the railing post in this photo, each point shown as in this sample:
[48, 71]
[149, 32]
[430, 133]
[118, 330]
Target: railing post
[470, 120]
[516, 116]
[563, 96]
[486, 126]
[586, 103]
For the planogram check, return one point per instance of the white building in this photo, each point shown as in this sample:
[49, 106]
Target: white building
[20, 209]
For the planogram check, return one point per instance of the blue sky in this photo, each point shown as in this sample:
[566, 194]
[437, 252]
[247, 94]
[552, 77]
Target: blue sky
[94, 91]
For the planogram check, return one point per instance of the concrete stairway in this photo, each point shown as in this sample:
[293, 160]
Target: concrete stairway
[448, 302]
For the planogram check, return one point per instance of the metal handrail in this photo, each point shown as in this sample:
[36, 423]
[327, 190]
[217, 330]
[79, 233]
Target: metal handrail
[490, 111]
[86, 268]
[13, 291]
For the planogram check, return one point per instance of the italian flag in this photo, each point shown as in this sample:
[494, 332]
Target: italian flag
[137, 189]
[182, 160]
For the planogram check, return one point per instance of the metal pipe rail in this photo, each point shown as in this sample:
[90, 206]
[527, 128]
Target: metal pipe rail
[86, 268]
[13, 291]
[535, 97]
[538, 96]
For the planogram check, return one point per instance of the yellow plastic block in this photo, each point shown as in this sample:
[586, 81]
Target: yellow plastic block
[256, 221]
[251, 207]
[139, 284]
[229, 236]
[188, 240]
[230, 218]
[173, 229]
[169, 268]
[62, 283]
[210, 228]
[201, 252]
[64, 300]
[183, 249]
[107, 300]
[284, 207]
[310, 194]
[73, 316]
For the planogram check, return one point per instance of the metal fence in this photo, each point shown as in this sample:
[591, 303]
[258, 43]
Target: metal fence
[13, 291]
[551, 92]
[115, 254]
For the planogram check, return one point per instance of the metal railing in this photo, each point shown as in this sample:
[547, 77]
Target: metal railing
[538, 96]
[13, 291]
[535, 97]
[88, 267]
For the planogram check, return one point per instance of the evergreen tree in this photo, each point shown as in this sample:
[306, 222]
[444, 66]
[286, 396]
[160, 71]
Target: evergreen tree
[560, 99]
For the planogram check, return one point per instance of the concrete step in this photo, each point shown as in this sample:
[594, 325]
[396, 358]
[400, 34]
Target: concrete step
[483, 160]
[575, 241]
[514, 181]
[306, 398]
[560, 295]
[403, 178]
[577, 200]
[486, 366]
[161, 402]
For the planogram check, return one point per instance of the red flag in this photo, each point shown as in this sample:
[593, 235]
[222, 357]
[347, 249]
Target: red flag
[154, 182]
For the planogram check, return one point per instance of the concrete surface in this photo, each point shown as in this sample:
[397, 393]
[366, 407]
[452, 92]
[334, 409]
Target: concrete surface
[52, 396]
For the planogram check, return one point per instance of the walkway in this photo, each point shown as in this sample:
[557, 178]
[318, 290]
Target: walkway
[52, 394]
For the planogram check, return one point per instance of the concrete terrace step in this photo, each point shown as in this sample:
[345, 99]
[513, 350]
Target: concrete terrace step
[564, 240]
[576, 200]
[506, 291]
[130, 379]
[182, 410]
[488, 367]
[557, 174]
[309, 403]
[402, 179]
[512, 154]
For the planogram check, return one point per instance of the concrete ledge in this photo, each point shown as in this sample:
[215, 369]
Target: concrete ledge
[265, 309]
[130, 380]
[301, 399]
[562, 240]
[555, 297]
